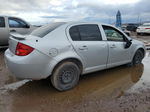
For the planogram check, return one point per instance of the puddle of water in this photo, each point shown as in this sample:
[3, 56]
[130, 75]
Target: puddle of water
[90, 91]
[144, 82]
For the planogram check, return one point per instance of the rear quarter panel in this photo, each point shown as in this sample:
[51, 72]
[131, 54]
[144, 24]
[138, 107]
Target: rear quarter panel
[55, 45]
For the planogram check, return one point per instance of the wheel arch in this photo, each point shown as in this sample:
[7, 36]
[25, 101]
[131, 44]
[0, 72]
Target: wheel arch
[71, 59]
[141, 49]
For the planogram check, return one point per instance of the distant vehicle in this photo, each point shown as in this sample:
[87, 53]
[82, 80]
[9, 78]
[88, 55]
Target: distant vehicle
[63, 51]
[143, 29]
[123, 27]
[132, 27]
[127, 32]
[13, 24]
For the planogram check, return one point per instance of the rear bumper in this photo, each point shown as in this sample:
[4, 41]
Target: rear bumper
[33, 66]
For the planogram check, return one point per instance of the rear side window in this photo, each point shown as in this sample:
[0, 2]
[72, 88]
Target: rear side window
[74, 33]
[2, 22]
[44, 30]
[86, 32]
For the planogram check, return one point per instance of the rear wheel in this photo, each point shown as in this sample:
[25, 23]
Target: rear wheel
[65, 76]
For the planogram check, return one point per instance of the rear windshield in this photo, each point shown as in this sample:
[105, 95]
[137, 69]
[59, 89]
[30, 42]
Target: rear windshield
[44, 30]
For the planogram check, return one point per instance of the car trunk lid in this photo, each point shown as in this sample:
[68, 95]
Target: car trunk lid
[17, 36]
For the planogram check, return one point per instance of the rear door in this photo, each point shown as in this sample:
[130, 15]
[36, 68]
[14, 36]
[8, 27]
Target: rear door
[4, 33]
[18, 25]
[87, 42]
[116, 40]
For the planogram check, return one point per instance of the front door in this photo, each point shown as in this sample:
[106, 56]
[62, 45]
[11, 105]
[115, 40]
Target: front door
[118, 54]
[18, 25]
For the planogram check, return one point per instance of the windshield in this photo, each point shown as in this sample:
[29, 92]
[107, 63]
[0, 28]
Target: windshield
[44, 30]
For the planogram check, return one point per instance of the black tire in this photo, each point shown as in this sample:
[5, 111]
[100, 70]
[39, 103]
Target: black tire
[138, 33]
[138, 57]
[65, 76]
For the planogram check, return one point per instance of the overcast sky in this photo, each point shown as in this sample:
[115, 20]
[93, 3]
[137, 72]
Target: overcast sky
[44, 11]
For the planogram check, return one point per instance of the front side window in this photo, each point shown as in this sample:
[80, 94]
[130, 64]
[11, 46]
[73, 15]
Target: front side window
[86, 32]
[112, 34]
[2, 22]
[17, 23]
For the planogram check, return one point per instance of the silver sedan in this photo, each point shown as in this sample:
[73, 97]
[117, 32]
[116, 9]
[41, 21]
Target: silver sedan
[64, 51]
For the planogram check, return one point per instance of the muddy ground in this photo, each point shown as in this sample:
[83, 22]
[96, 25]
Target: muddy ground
[120, 89]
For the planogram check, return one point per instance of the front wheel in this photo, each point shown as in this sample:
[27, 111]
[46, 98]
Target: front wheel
[138, 57]
[65, 76]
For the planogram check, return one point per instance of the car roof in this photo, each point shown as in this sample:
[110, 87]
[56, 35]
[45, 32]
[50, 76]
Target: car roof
[146, 23]
[87, 22]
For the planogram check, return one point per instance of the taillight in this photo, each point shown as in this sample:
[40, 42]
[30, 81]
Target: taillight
[23, 50]
[147, 28]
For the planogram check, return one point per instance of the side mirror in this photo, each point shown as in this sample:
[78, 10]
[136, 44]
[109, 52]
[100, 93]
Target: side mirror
[27, 26]
[128, 43]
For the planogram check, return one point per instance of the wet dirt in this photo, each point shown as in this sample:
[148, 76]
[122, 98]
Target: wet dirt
[5, 76]
[120, 89]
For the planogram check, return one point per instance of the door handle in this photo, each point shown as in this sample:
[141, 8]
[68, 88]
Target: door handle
[113, 46]
[83, 48]
[12, 30]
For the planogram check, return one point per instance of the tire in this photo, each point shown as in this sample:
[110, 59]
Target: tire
[142, 34]
[138, 57]
[138, 33]
[65, 76]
